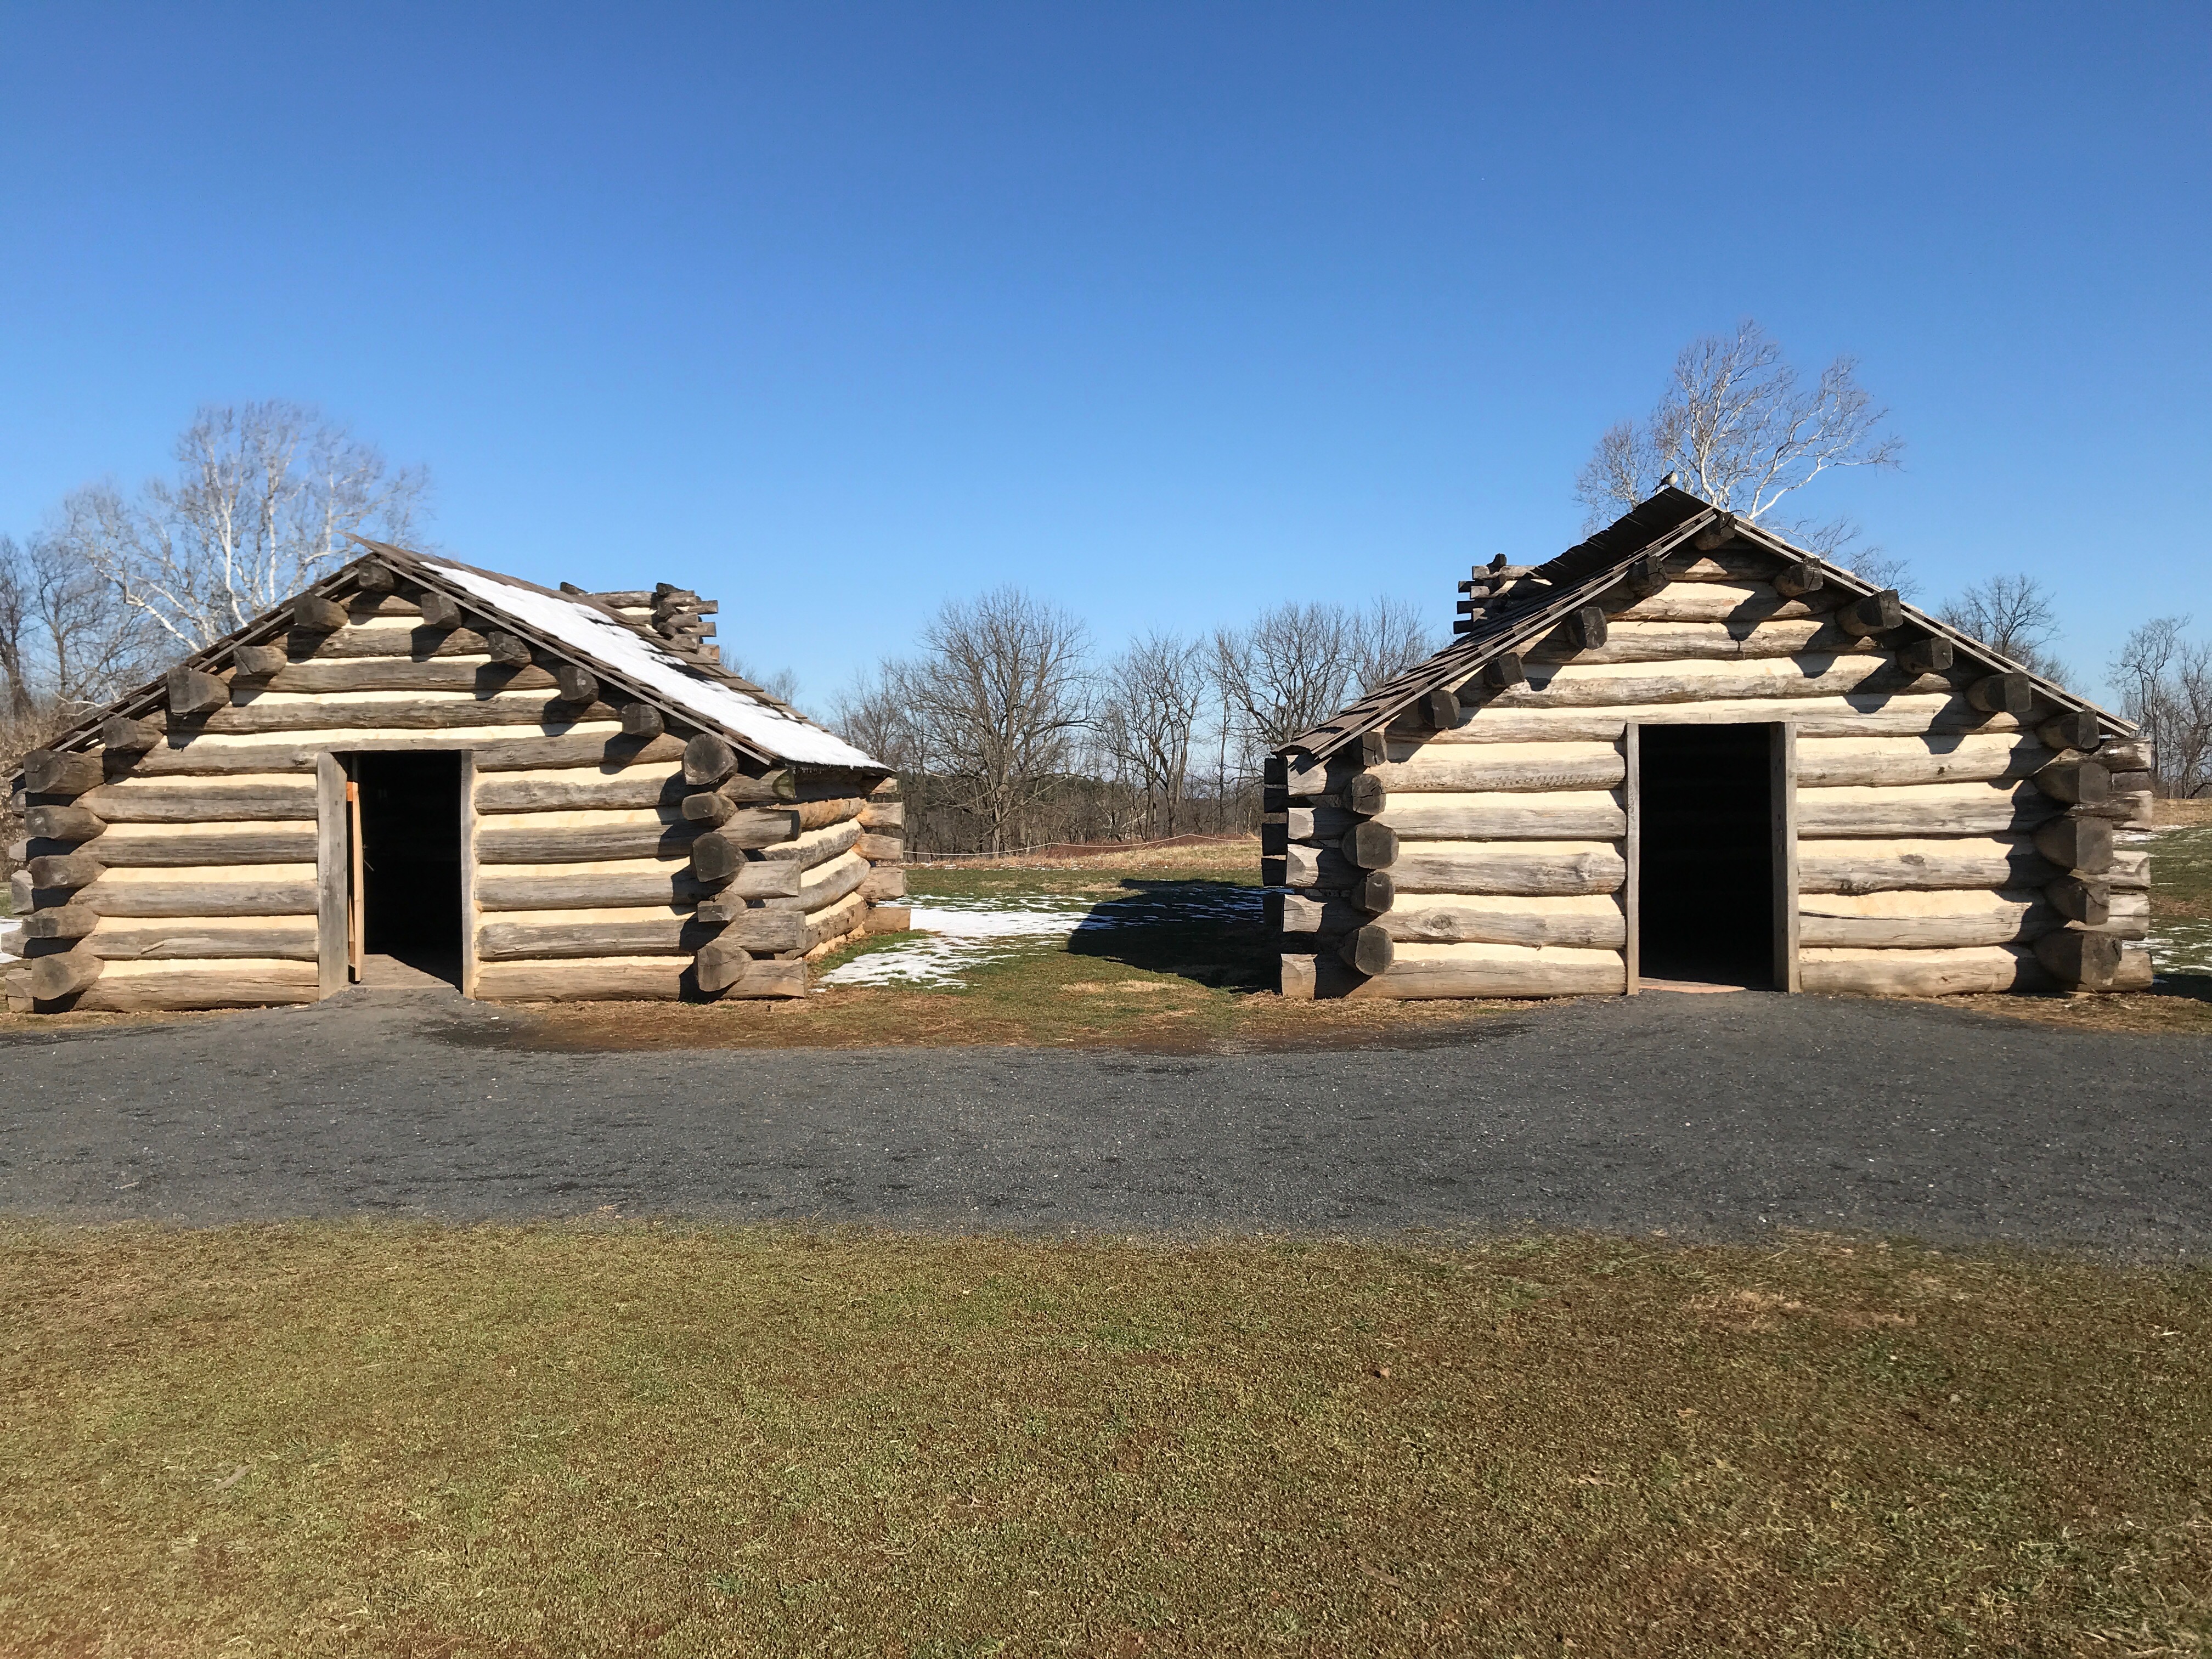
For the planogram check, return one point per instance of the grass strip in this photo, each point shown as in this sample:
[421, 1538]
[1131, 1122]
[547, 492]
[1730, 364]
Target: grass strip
[623, 1440]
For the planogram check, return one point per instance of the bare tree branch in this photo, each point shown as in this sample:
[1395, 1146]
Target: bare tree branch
[2013, 615]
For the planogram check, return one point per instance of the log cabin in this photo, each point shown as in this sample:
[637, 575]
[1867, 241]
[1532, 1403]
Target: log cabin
[417, 770]
[1686, 752]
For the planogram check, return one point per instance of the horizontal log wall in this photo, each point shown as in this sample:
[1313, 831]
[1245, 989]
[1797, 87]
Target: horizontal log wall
[1916, 812]
[202, 852]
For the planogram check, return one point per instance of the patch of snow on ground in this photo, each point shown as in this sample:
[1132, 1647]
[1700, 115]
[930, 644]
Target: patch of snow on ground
[11, 939]
[967, 933]
[2179, 946]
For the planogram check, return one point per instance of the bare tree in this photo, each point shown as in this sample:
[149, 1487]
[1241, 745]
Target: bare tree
[264, 496]
[15, 626]
[1740, 429]
[1001, 697]
[1296, 666]
[1147, 716]
[2166, 688]
[2013, 615]
[1387, 638]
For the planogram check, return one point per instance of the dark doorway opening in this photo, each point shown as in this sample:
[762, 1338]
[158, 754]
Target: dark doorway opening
[1706, 855]
[410, 860]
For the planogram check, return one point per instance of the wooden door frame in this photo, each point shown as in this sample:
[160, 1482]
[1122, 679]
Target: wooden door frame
[1781, 800]
[337, 858]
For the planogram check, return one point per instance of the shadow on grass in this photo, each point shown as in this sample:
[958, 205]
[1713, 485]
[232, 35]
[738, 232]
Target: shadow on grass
[1213, 933]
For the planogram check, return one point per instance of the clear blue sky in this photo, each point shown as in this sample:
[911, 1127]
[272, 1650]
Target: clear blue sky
[1166, 311]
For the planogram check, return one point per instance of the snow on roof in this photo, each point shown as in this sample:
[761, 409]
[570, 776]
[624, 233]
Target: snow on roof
[628, 653]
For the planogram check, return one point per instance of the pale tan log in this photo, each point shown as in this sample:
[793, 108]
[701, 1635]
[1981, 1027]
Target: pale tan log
[1610, 685]
[255, 797]
[1736, 602]
[400, 712]
[884, 881]
[2131, 870]
[2134, 973]
[1591, 921]
[770, 979]
[580, 837]
[589, 979]
[172, 846]
[1296, 983]
[1455, 767]
[1935, 809]
[65, 972]
[496, 749]
[833, 924]
[1840, 763]
[1935, 920]
[1501, 814]
[813, 846]
[1527, 869]
[453, 672]
[1729, 563]
[1874, 867]
[888, 918]
[124, 939]
[153, 987]
[1871, 714]
[882, 814]
[883, 849]
[1666, 641]
[1423, 971]
[594, 884]
[613, 931]
[579, 788]
[1964, 971]
[267, 890]
[820, 814]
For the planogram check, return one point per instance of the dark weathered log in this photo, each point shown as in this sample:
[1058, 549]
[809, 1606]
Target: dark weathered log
[1362, 792]
[1585, 630]
[1370, 846]
[252, 983]
[1929, 656]
[194, 894]
[616, 885]
[1877, 613]
[1647, 576]
[378, 644]
[1369, 949]
[586, 979]
[203, 938]
[2080, 960]
[191, 692]
[313, 614]
[164, 847]
[259, 662]
[1797, 578]
[1505, 671]
[439, 610]
[501, 843]
[2075, 729]
[576, 684]
[60, 921]
[648, 933]
[63, 823]
[2083, 845]
[759, 878]
[502, 647]
[1437, 709]
[65, 872]
[51, 772]
[362, 606]
[407, 674]
[2076, 780]
[1372, 748]
[259, 716]
[707, 760]
[375, 576]
[710, 807]
[2003, 694]
[126, 736]
[718, 966]
[641, 719]
[1375, 891]
[138, 801]
[2088, 901]
[1717, 534]
[718, 854]
[2131, 783]
[63, 974]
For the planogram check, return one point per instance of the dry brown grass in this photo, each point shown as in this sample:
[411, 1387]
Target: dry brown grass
[620, 1440]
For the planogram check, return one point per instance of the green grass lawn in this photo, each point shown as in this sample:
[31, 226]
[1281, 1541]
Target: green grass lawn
[627, 1440]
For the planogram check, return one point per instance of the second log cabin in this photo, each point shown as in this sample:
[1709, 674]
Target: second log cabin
[1685, 751]
[417, 768]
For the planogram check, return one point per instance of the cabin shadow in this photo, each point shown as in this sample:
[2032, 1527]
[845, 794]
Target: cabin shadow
[1212, 933]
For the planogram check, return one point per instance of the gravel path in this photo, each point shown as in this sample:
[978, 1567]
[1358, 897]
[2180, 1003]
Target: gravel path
[1698, 1115]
